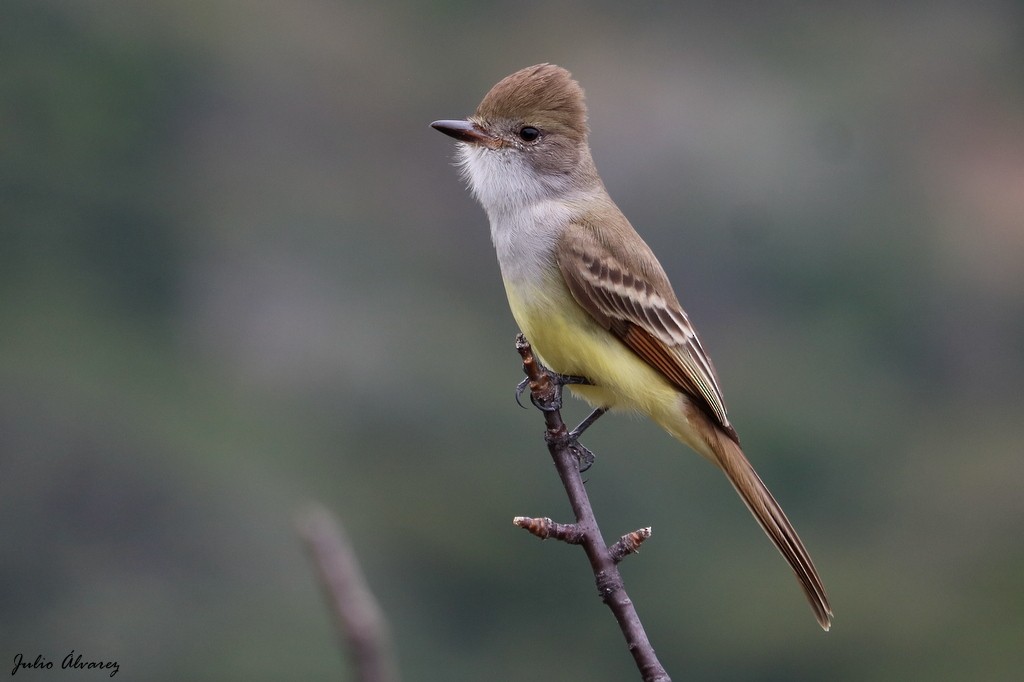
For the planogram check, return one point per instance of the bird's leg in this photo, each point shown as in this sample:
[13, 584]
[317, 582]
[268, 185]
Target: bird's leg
[561, 381]
[586, 423]
[554, 403]
[566, 379]
[584, 455]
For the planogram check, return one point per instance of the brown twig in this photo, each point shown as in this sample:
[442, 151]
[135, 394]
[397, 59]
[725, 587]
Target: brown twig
[629, 543]
[359, 620]
[547, 393]
[545, 528]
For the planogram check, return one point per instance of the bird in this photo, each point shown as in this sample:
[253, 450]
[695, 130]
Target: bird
[590, 295]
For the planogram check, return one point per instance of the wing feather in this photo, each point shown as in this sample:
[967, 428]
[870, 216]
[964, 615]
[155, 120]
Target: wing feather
[630, 296]
[651, 324]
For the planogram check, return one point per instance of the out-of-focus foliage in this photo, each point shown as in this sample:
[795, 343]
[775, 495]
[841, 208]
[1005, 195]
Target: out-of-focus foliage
[237, 272]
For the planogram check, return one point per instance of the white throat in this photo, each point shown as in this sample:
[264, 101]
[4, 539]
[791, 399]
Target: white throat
[527, 210]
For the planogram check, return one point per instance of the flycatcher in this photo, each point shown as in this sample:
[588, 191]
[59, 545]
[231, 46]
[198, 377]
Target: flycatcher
[587, 291]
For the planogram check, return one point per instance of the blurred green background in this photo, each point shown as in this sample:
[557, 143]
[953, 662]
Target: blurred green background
[238, 273]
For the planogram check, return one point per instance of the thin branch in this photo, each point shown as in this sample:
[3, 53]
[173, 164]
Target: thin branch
[360, 622]
[567, 455]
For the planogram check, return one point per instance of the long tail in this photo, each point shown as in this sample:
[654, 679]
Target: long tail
[730, 458]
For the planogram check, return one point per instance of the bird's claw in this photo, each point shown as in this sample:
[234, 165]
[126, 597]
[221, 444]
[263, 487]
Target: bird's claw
[520, 389]
[553, 405]
[583, 455]
[560, 381]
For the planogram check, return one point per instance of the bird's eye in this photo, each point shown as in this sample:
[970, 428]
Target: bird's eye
[528, 133]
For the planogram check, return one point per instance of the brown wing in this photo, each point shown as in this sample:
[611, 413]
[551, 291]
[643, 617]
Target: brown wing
[628, 294]
[650, 323]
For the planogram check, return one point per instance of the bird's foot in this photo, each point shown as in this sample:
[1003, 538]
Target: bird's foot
[583, 455]
[554, 402]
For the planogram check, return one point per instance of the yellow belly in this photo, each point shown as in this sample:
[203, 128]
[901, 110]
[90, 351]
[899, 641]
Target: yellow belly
[569, 341]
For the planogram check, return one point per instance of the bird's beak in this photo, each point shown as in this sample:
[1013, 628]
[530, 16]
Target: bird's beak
[466, 131]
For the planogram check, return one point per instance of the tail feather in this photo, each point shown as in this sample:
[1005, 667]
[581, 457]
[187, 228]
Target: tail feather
[730, 458]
